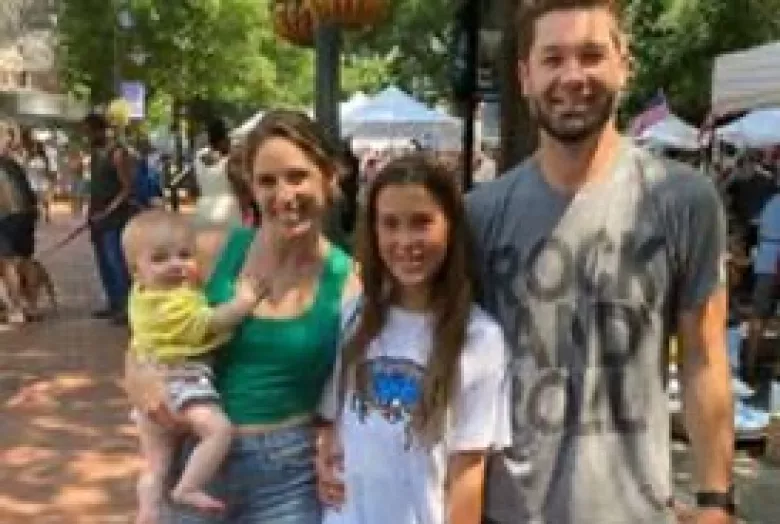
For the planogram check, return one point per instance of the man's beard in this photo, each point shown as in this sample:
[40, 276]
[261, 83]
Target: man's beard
[584, 126]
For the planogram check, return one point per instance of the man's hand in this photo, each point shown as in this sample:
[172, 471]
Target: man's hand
[329, 464]
[688, 515]
[714, 516]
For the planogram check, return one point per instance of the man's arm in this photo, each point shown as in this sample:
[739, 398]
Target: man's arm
[701, 298]
[707, 398]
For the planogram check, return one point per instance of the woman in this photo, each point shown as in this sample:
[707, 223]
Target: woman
[271, 374]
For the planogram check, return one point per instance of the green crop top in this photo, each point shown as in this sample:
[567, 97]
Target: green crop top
[273, 369]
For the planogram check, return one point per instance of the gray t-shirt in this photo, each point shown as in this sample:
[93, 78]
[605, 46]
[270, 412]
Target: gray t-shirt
[587, 288]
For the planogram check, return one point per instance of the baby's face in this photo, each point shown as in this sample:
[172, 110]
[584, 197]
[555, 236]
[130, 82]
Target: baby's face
[166, 263]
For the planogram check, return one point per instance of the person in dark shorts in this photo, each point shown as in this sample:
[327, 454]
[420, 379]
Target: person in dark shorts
[18, 214]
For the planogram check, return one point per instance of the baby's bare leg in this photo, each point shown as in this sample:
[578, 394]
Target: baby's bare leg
[213, 428]
[157, 448]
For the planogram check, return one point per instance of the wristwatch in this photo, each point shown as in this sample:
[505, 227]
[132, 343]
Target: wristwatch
[718, 499]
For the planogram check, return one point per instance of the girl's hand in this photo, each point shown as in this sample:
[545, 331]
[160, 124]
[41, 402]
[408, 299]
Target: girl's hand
[329, 464]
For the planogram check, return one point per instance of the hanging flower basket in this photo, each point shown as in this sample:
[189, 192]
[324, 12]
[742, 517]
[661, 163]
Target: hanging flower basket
[351, 13]
[293, 21]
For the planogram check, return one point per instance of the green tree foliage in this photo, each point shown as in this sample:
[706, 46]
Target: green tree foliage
[410, 48]
[675, 43]
[219, 50]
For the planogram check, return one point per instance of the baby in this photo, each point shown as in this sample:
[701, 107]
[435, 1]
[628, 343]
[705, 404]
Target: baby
[174, 329]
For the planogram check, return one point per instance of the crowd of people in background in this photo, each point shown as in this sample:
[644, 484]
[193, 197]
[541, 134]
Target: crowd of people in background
[749, 183]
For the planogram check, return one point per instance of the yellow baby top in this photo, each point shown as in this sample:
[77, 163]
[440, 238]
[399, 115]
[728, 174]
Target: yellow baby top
[171, 324]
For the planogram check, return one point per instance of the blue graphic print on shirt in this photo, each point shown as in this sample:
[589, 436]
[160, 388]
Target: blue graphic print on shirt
[393, 390]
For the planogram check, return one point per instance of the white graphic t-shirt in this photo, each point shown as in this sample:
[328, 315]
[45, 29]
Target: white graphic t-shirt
[392, 477]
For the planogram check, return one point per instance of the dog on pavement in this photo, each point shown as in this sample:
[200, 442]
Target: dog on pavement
[35, 279]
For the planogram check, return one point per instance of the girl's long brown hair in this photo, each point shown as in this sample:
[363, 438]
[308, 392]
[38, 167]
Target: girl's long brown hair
[451, 291]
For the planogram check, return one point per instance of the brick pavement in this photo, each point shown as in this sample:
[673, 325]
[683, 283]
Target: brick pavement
[67, 448]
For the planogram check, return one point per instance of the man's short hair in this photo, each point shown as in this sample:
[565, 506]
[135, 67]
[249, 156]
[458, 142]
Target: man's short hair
[529, 11]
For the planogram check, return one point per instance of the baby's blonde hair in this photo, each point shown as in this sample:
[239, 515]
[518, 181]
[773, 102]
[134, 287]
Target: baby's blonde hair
[150, 226]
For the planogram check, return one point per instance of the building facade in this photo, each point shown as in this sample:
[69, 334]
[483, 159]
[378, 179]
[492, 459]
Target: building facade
[29, 78]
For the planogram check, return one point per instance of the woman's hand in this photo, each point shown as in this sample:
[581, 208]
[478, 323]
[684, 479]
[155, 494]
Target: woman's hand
[329, 463]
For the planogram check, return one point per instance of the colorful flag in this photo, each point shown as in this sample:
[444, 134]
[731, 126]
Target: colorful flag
[656, 110]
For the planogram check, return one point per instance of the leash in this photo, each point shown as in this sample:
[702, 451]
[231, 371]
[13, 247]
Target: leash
[67, 239]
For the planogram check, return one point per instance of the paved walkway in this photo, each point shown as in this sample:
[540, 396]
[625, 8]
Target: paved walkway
[67, 448]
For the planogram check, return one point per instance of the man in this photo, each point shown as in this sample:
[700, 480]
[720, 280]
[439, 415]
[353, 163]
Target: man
[110, 189]
[18, 214]
[591, 253]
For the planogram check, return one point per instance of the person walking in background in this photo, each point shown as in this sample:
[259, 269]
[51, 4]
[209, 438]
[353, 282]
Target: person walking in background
[110, 191]
[147, 182]
[18, 214]
[217, 203]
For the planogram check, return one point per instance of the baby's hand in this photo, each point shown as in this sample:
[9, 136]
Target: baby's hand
[249, 291]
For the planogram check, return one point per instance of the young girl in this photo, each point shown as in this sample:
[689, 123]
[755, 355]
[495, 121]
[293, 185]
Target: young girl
[174, 329]
[421, 395]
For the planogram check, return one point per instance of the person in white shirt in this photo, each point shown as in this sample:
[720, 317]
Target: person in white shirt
[420, 394]
[217, 204]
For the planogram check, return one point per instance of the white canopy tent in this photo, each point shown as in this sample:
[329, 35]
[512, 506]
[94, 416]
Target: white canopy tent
[356, 101]
[393, 115]
[672, 132]
[746, 80]
[757, 129]
[241, 132]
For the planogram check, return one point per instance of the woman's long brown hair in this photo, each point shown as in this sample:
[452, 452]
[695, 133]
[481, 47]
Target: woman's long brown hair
[451, 292]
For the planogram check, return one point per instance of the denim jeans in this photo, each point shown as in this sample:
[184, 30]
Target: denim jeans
[112, 267]
[266, 479]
